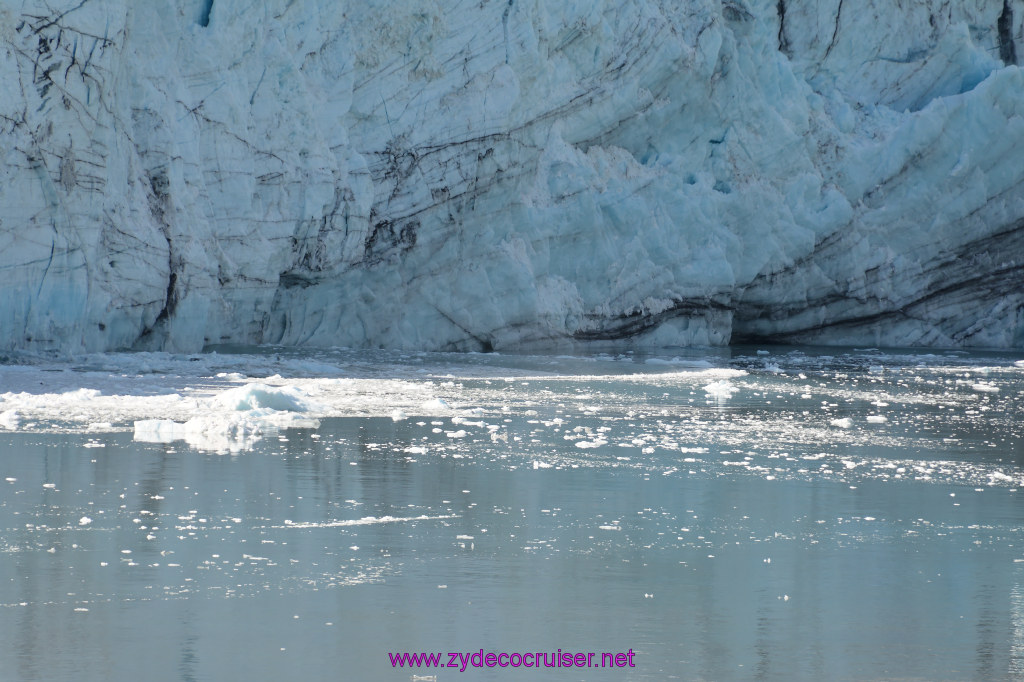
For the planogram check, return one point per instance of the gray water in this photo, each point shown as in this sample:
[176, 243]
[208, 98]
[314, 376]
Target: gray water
[586, 504]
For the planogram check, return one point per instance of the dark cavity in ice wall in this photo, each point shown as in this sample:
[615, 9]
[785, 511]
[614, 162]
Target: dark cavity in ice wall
[204, 13]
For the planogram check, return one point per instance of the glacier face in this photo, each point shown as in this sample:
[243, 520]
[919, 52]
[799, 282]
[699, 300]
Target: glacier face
[510, 173]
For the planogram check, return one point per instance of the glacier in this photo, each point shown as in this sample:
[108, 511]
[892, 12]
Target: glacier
[506, 174]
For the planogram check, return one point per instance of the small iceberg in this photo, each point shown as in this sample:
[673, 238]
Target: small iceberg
[258, 396]
[236, 419]
[721, 389]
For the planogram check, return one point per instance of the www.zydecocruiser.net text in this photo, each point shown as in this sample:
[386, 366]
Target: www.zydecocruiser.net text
[462, 660]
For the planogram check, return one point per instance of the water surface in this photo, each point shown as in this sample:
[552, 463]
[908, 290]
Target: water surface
[795, 514]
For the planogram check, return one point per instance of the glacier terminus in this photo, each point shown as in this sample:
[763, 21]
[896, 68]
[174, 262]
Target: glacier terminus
[502, 174]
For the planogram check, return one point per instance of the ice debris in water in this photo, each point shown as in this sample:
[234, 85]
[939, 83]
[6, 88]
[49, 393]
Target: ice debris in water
[721, 389]
[203, 433]
[256, 396]
[238, 418]
[999, 476]
[436, 404]
[843, 423]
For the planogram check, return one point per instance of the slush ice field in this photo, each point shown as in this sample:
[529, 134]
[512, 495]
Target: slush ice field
[782, 512]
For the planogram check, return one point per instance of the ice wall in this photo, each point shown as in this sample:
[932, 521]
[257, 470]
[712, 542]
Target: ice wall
[507, 173]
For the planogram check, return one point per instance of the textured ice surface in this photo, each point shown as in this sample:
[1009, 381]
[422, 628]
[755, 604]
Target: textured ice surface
[498, 174]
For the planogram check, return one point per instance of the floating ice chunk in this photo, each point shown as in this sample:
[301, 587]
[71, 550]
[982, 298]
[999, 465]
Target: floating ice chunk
[437, 404]
[82, 394]
[398, 415]
[877, 419]
[696, 364]
[722, 389]
[209, 433]
[84, 521]
[1000, 477]
[158, 430]
[10, 419]
[586, 444]
[540, 465]
[843, 423]
[262, 396]
[985, 388]
[461, 433]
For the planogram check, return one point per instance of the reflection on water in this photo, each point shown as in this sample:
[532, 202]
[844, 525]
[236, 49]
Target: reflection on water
[719, 534]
